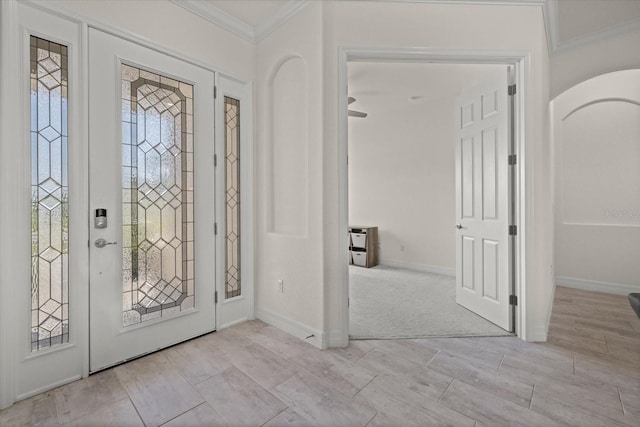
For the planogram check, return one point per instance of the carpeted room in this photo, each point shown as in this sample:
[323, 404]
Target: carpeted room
[402, 183]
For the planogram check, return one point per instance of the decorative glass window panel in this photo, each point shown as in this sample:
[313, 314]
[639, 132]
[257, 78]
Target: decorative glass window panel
[232, 191]
[157, 189]
[49, 195]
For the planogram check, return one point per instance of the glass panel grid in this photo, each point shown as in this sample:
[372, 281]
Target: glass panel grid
[49, 194]
[232, 191]
[157, 183]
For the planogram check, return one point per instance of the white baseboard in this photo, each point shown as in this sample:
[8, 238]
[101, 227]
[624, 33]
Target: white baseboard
[539, 333]
[445, 271]
[596, 286]
[230, 324]
[293, 327]
[337, 339]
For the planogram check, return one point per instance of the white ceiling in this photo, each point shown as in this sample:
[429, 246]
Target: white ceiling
[383, 86]
[568, 22]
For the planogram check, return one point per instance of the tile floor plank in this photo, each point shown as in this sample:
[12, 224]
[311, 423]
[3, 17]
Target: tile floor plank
[487, 408]
[497, 383]
[117, 414]
[84, 397]
[238, 399]
[320, 404]
[262, 365]
[157, 389]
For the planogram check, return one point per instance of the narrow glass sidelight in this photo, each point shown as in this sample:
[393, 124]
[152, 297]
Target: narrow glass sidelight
[49, 194]
[232, 191]
[157, 190]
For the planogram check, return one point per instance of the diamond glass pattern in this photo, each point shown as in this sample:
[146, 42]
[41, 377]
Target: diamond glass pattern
[49, 194]
[232, 187]
[157, 177]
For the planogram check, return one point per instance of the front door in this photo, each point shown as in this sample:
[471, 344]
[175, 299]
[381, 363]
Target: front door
[152, 243]
[482, 201]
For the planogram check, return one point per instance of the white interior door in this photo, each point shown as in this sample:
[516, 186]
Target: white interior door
[151, 137]
[482, 201]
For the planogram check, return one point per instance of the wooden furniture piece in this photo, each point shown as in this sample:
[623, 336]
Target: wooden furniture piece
[363, 246]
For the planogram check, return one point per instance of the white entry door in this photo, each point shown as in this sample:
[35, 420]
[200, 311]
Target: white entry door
[482, 201]
[152, 265]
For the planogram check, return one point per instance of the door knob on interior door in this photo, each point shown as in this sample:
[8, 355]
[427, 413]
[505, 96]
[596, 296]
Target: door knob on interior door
[459, 226]
[101, 243]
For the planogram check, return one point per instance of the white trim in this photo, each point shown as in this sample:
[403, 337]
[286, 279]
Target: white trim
[550, 15]
[539, 334]
[597, 286]
[443, 271]
[9, 91]
[474, 2]
[230, 324]
[293, 327]
[412, 54]
[48, 387]
[228, 22]
[218, 17]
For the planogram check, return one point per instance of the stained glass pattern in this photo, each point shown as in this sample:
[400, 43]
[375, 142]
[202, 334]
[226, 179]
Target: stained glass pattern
[157, 205]
[232, 191]
[49, 195]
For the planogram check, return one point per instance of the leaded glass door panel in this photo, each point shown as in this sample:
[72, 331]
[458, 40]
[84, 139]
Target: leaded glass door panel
[152, 178]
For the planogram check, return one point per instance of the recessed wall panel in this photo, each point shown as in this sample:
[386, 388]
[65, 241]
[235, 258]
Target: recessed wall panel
[466, 159]
[601, 164]
[490, 192]
[466, 115]
[468, 244]
[489, 104]
[288, 193]
[490, 270]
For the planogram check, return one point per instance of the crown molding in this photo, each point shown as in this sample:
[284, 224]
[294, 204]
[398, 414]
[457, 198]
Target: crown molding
[224, 20]
[283, 14]
[218, 17]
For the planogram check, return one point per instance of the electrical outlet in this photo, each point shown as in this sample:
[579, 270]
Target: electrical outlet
[280, 286]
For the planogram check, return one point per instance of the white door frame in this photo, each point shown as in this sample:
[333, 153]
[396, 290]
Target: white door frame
[520, 60]
[10, 193]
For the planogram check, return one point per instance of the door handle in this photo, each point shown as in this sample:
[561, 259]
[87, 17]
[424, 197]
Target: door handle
[101, 243]
[459, 226]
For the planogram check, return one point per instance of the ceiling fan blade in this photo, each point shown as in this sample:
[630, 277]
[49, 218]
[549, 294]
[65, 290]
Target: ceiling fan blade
[357, 114]
[351, 100]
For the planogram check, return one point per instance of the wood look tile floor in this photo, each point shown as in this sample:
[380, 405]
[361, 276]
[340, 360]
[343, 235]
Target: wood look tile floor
[587, 374]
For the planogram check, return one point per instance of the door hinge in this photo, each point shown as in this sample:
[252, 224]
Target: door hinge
[348, 305]
[215, 160]
[513, 159]
[513, 300]
[216, 297]
[215, 92]
[215, 228]
[511, 89]
[513, 230]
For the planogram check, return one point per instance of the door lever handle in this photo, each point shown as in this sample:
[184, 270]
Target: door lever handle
[459, 226]
[101, 243]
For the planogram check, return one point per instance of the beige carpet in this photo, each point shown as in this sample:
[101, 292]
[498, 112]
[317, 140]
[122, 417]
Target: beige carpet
[387, 302]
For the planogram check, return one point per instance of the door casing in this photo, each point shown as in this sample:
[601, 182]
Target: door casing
[520, 61]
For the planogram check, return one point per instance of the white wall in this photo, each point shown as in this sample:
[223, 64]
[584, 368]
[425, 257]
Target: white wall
[457, 26]
[577, 64]
[401, 179]
[289, 140]
[597, 168]
[402, 158]
[168, 25]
